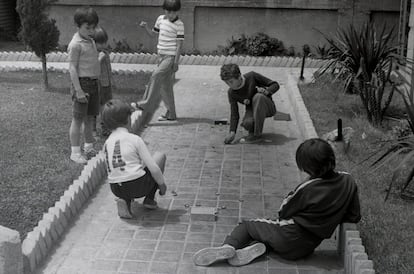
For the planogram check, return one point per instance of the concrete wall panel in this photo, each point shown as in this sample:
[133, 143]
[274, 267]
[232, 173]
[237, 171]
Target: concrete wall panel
[214, 26]
[120, 23]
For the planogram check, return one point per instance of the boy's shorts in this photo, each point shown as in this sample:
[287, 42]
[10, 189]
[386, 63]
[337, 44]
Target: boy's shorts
[105, 94]
[91, 108]
[137, 188]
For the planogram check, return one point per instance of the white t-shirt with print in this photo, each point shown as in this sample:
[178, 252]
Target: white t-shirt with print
[122, 156]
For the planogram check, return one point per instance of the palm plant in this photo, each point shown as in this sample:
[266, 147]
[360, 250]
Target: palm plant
[402, 149]
[364, 59]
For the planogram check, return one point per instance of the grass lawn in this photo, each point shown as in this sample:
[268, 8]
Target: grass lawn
[386, 227]
[35, 148]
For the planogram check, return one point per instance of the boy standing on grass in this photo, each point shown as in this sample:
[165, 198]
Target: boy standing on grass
[132, 171]
[170, 31]
[105, 78]
[84, 70]
[255, 92]
[308, 214]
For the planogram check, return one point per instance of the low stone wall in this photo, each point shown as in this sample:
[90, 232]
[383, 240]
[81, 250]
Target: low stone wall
[352, 251]
[11, 259]
[146, 58]
[42, 238]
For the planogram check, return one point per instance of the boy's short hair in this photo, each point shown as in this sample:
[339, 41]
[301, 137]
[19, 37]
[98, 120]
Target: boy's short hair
[171, 5]
[316, 157]
[115, 114]
[100, 36]
[229, 71]
[85, 15]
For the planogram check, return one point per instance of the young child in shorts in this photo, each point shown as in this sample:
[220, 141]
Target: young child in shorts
[105, 78]
[132, 171]
[308, 214]
[84, 71]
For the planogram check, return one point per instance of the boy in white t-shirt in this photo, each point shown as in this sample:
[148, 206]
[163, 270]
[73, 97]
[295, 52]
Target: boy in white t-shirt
[132, 171]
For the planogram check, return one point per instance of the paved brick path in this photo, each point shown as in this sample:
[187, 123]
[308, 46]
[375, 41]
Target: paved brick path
[242, 181]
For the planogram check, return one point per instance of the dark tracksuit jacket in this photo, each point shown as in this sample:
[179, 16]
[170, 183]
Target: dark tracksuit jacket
[307, 215]
[247, 91]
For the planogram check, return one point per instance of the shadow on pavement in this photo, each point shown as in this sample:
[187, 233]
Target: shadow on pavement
[269, 139]
[154, 218]
[184, 121]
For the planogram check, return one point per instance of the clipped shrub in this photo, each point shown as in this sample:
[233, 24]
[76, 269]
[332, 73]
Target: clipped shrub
[259, 44]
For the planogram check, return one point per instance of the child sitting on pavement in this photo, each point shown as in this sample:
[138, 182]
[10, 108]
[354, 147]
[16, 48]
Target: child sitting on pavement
[105, 78]
[255, 92]
[132, 171]
[308, 214]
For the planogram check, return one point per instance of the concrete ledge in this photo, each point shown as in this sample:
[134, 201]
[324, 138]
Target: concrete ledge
[49, 230]
[11, 260]
[303, 118]
[146, 58]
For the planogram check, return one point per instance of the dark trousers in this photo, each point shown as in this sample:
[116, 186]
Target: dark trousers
[143, 186]
[290, 241]
[262, 106]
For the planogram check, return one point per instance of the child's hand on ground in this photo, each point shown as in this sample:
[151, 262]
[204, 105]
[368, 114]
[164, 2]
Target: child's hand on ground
[163, 189]
[81, 96]
[246, 102]
[229, 138]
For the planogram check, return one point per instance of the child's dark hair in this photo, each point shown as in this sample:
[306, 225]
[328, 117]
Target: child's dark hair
[316, 157]
[229, 71]
[86, 15]
[171, 5]
[100, 36]
[115, 114]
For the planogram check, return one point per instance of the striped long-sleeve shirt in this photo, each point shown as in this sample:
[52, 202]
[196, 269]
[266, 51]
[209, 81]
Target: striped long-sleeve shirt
[169, 33]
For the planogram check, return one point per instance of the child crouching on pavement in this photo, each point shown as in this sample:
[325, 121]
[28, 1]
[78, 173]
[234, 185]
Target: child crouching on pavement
[308, 214]
[132, 171]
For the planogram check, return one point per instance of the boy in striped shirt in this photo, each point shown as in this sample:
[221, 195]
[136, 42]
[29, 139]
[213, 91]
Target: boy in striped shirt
[170, 30]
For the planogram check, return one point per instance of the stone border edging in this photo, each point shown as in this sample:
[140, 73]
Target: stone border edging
[350, 246]
[27, 67]
[148, 58]
[39, 241]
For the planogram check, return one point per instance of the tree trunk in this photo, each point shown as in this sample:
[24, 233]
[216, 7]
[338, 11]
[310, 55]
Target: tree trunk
[44, 72]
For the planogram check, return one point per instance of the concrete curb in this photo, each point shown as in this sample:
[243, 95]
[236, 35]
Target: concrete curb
[147, 58]
[52, 226]
[350, 246]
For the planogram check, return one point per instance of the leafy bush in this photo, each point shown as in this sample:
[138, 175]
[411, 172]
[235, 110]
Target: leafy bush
[122, 46]
[403, 148]
[259, 44]
[322, 51]
[364, 59]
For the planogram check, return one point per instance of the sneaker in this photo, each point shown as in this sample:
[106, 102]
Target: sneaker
[210, 255]
[90, 153]
[150, 204]
[251, 139]
[78, 158]
[123, 209]
[163, 118]
[246, 255]
[162, 189]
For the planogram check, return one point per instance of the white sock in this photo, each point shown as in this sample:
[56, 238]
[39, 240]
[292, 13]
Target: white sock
[76, 150]
[88, 146]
